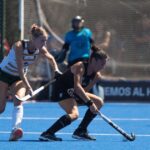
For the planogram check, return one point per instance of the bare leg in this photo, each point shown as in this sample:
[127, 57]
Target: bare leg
[81, 131]
[17, 114]
[3, 94]
[70, 107]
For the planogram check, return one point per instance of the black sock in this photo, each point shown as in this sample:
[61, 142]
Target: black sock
[59, 124]
[89, 116]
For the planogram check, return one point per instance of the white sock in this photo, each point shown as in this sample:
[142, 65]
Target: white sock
[17, 116]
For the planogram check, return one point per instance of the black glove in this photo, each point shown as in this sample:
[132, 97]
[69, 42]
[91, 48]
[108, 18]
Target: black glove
[57, 74]
[61, 56]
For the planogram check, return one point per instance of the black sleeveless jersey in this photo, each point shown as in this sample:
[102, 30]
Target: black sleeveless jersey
[66, 81]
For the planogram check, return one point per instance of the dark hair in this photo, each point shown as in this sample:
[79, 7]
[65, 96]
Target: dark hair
[99, 55]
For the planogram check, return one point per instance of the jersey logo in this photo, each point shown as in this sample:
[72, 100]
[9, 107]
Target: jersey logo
[71, 92]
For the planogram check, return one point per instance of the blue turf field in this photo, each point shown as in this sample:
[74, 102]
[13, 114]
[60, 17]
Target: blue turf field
[38, 116]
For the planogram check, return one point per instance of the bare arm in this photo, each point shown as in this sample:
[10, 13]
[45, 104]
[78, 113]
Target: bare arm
[78, 71]
[106, 41]
[95, 80]
[51, 59]
[19, 60]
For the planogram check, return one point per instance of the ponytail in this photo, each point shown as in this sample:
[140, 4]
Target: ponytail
[99, 54]
[37, 31]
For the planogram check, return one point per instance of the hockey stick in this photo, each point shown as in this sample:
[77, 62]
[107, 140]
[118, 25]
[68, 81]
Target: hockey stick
[105, 118]
[35, 92]
[115, 126]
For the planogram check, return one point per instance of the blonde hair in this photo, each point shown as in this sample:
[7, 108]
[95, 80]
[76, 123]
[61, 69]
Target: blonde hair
[37, 31]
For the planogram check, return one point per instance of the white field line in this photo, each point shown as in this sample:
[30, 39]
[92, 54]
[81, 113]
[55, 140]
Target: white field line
[55, 118]
[107, 103]
[69, 133]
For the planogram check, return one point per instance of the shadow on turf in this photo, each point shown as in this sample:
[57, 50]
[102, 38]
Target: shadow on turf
[55, 141]
[45, 141]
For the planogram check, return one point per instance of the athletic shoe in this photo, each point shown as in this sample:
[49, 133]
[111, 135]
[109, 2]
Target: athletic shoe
[81, 134]
[16, 134]
[49, 137]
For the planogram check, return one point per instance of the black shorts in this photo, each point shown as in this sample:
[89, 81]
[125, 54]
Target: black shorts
[60, 93]
[7, 78]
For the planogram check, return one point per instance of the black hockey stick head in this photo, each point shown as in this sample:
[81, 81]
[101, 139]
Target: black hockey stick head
[131, 137]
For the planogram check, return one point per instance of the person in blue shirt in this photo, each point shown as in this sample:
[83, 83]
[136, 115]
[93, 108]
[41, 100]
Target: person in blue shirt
[79, 41]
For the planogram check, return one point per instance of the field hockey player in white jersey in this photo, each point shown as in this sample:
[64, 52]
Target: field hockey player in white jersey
[13, 70]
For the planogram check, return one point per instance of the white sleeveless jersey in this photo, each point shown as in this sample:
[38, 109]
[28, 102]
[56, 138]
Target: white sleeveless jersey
[9, 64]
